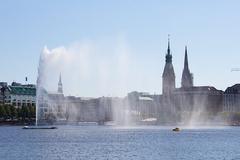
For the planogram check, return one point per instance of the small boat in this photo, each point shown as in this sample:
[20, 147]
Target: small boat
[176, 129]
[39, 127]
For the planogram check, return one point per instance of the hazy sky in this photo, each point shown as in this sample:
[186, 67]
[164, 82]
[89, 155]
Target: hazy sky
[132, 33]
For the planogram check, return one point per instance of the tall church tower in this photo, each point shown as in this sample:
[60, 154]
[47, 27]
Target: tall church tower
[60, 86]
[168, 77]
[187, 78]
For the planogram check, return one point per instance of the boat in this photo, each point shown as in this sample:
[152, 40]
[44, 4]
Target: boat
[176, 129]
[39, 127]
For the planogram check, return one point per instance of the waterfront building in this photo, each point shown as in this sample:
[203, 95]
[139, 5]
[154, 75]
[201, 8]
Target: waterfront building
[56, 102]
[79, 109]
[168, 76]
[106, 106]
[52, 106]
[55, 107]
[232, 99]
[142, 105]
[22, 95]
[178, 102]
[168, 87]
[17, 94]
[191, 98]
[5, 97]
[206, 100]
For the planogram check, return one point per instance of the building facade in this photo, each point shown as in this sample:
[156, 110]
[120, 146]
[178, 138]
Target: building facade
[168, 76]
[179, 104]
[232, 99]
[18, 95]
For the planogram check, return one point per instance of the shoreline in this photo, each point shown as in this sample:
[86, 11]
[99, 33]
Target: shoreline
[32, 123]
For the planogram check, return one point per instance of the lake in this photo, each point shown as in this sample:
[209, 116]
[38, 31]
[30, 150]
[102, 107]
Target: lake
[114, 143]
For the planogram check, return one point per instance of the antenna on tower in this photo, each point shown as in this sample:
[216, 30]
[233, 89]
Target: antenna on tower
[26, 79]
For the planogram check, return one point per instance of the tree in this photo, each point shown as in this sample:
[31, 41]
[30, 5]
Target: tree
[2, 112]
[23, 113]
[13, 112]
[28, 112]
[19, 113]
[8, 112]
[2, 90]
[32, 110]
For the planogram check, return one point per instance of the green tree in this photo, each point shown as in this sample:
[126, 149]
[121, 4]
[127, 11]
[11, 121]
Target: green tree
[7, 110]
[2, 112]
[28, 112]
[23, 113]
[2, 91]
[19, 113]
[32, 111]
[13, 112]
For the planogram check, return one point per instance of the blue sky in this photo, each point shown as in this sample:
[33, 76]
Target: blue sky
[211, 29]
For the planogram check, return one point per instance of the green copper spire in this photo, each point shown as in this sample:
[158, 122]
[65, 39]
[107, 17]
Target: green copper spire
[168, 50]
[168, 55]
[168, 82]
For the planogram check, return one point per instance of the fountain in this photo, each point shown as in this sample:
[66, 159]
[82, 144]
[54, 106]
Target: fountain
[122, 112]
[40, 94]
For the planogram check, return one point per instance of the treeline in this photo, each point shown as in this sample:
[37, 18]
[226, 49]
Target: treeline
[9, 113]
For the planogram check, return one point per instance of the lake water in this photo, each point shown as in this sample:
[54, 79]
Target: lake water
[113, 143]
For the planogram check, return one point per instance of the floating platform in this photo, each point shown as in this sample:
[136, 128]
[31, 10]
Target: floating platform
[39, 127]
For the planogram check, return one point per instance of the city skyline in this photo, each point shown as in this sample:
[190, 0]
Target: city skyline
[210, 34]
[119, 79]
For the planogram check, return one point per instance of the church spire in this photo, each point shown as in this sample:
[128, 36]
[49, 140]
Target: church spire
[168, 83]
[187, 78]
[60, 79]
[60, 86]
[168, 50]
[186, 59]
[168, 55]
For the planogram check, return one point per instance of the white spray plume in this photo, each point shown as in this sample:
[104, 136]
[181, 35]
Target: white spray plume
[90, 68]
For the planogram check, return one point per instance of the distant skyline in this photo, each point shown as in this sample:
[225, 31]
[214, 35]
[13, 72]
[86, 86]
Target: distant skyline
[138, 29]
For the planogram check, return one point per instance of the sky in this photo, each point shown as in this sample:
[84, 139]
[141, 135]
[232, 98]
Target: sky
[109, 48]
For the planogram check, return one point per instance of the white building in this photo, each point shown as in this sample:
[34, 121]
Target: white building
[19, 95]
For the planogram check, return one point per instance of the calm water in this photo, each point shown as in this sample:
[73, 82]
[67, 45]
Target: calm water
[101, 142]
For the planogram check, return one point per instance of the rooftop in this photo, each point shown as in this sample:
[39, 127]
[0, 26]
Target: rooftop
[23, 90]
[235, 89]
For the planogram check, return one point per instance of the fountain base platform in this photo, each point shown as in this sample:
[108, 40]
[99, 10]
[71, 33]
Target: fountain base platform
[39, 127]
